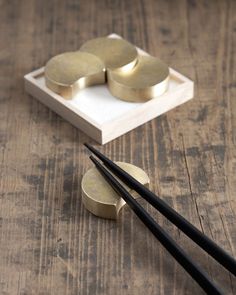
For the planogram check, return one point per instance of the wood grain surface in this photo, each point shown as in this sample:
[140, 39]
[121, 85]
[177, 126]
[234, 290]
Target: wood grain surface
[49, 243]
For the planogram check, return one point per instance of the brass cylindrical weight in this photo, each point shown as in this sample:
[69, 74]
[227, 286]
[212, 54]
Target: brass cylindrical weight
[117, 54]
[147, 80]
[69, 72]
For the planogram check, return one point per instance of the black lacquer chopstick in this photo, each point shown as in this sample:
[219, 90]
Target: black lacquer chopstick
[183, 224]
[171, 246]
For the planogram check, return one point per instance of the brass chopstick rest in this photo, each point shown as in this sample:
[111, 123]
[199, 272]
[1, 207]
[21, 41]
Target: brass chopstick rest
[117, 54]
[147, 80]
[69, 72]
[99, 198]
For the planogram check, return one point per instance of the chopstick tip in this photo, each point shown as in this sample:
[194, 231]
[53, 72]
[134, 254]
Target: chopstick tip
[94, 160]
[86, 144]
[89, 147]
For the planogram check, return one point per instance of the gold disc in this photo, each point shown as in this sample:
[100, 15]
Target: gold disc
[147, 80]
[117, 54]
[69, 72]
[99, 197]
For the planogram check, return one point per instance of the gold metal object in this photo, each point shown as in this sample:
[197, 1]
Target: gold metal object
[117, 54]
[147, 80]
[69, 72]
[99, 198]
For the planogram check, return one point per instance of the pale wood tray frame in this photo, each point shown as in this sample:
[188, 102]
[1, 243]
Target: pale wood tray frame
[103, 133]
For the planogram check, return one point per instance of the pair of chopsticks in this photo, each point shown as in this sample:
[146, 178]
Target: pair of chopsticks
[171, 246]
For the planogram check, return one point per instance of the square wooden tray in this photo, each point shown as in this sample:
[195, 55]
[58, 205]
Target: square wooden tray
[100, 115]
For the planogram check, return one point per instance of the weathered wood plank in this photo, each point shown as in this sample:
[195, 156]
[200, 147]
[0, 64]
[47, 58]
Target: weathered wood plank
[49, 244]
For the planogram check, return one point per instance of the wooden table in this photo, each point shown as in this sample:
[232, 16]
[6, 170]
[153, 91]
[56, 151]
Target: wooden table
[49, 243]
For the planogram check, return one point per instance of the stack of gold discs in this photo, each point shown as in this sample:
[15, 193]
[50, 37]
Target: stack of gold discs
[129, 76]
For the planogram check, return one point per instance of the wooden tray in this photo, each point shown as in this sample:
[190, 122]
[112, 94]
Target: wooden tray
[100, 115]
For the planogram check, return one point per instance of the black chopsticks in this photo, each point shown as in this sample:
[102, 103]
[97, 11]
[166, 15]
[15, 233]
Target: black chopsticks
[190, 230]
[183, 258]
[184, 225]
